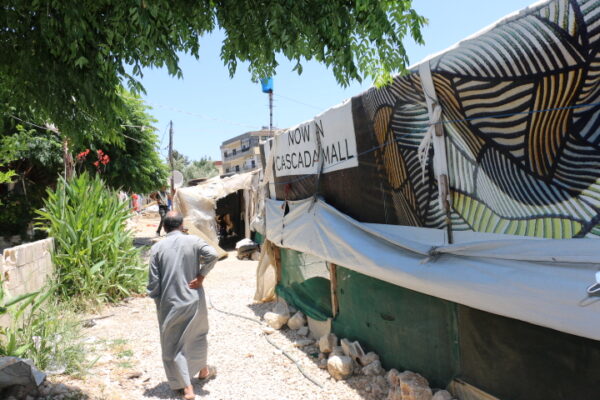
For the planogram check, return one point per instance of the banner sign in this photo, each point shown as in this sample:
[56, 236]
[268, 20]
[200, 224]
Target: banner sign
[297, 149]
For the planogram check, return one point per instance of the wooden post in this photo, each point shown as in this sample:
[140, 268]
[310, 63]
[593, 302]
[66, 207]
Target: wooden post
[277, 254]
[333, 280]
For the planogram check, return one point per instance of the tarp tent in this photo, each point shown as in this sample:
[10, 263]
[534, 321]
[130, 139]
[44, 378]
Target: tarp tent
[198, 203]
[466, 197]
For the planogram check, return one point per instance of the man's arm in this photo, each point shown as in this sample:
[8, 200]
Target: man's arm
[153, 278]
[207, 256]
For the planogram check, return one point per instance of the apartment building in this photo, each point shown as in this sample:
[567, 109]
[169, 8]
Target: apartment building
[242, 153]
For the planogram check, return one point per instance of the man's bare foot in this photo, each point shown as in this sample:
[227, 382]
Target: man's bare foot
[207, 372]
[188, 393]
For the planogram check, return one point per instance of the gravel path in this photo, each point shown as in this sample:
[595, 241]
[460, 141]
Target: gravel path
[129, 364]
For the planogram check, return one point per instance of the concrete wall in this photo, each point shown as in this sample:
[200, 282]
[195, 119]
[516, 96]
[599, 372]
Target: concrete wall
[26, 268]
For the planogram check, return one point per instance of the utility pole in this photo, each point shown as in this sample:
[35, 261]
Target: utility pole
[271, 112]
[171, 158]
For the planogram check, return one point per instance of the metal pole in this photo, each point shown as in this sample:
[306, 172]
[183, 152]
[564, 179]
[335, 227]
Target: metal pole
[271, 113]
[171, 157]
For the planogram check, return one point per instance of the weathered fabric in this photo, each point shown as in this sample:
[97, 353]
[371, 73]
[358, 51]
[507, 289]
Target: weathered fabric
[182, 314]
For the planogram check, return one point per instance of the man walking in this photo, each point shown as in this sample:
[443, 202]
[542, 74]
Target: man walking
[162, 200]
[178, 265]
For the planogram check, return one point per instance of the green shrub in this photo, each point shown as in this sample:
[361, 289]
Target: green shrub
[42, 330]
[95, 259]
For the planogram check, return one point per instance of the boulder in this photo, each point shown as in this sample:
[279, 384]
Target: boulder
[339, 367]
[352, 349]
[297, 321]
[373, 369]
[303, 342]
[442, 395]
[327, 343]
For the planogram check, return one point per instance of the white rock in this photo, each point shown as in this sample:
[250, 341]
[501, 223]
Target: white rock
[368, 358]
[303, 342]
[442, 395]
[339, 367]
[303, 331]
[327, 343]
[352, 349]
[322, 363]
[373, 369]
[275, 320]
[297, 321]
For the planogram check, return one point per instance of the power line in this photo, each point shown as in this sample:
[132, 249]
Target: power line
[298, 101]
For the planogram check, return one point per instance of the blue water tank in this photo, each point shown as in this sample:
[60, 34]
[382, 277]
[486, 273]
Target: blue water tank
[267, 85]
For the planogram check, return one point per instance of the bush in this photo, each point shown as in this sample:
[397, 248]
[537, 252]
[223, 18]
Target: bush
[94, 258]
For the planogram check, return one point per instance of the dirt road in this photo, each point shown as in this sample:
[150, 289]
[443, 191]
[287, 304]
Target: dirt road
[129, 366]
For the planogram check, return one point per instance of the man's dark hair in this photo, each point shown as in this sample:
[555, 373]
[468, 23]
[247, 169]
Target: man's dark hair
[172, 221]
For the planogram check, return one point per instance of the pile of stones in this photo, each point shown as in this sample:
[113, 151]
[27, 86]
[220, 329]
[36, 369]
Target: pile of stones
[344, 359]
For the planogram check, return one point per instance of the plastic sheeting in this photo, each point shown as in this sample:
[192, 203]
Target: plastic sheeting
[198, 203]
[539, 281]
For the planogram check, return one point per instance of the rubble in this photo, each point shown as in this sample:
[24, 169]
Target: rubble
[327, 343]
[303, 331]
[373, 369]
[368, 358]
[303, 342]
[339, 367]
[352, 349]
[297, 321]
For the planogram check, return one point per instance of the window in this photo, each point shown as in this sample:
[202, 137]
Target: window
[237, 168]
[227, 170]
[225, 154]
[253, 163]
[234, 151]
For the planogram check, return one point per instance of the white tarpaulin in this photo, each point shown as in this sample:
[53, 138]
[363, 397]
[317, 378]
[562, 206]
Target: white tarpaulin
[541, 281]
[198, 203]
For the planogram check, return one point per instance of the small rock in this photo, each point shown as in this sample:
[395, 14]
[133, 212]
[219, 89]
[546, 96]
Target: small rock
[276, 321]
[339, 367]
[380, 386]
[268, 330]
[134, 374]
[303, 331]
[337, 351]
[352, 349]
[327, 343]
[297, 321]
[373, 369]
[368, 358]
[322, 364]
[322, 356]
[29, 398]
[392, 377]
[303, 342]
[442, 395]
[412, 386]
[44, 389]
[368, 388]
[281, 307]
[59, 388]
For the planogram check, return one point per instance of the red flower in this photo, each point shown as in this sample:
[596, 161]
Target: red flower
[83, 154]
[96, 164]
[105, 159]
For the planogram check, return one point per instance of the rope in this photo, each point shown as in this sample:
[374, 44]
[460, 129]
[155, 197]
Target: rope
[285, 353]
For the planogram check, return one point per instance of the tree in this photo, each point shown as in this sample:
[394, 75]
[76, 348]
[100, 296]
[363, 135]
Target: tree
[33, 154]
[65, 59]
[203, 168]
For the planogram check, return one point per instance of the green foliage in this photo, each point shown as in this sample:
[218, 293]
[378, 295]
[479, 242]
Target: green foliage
[42, 330]
[65, 59]
[95, 259]
[203, 168]
[135, 163]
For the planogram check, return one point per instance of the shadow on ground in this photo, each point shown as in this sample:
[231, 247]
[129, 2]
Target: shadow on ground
[163, 391]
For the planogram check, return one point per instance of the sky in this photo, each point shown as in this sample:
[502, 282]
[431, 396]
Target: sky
[208, 107]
